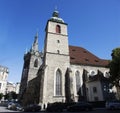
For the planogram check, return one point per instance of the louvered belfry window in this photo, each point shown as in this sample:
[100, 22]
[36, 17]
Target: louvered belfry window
[58, 29]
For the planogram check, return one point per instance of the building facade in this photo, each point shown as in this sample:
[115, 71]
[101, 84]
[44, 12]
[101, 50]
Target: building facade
[3, 79]
[13, 87]
[62, 73]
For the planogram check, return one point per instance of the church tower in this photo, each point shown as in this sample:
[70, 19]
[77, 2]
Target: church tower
[32, 62]
[56, 59]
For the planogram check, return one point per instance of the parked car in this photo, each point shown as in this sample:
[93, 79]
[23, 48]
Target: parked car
[80, 106]
[11, 106]
[32, 107]
[19, 107]
[14, 106]
[112, 105]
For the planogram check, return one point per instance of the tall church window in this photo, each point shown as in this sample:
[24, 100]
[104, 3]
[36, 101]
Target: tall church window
[77, 76]
[58, 83]
[58, 29]
[36, 63]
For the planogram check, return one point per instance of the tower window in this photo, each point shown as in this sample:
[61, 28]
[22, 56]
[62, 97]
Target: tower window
[58, 29]
[58, 51]
[58, 41]
[36, 63]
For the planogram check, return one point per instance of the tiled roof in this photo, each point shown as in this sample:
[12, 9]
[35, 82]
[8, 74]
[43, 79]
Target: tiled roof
[79, 55]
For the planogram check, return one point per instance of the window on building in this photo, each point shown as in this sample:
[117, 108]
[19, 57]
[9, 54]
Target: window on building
[58, 51]
[36, 63]
[58, 29]
[77, 76]
[94, 90]
[58, 41]
[58, 83]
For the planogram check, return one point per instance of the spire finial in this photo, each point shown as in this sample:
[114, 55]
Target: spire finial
[55, 13]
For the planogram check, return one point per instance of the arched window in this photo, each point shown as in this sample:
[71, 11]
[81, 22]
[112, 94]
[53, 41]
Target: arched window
[58, 83]
[77, 76]
[36, 63]
[58, 29]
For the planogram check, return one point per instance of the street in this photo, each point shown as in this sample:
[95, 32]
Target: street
[101, 110]
[4, 109]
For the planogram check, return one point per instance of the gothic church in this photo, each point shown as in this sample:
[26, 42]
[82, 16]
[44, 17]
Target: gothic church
[62, 73]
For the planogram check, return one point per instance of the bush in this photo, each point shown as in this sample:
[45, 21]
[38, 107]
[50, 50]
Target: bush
[57, 106]
[98, 104]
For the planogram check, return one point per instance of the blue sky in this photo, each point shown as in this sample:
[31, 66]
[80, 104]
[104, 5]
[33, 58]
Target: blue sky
[92, 24]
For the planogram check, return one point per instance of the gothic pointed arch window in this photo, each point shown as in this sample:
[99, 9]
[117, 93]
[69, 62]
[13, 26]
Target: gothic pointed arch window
[58, 29]
[36, 63]
[77, 77]
[58, 84]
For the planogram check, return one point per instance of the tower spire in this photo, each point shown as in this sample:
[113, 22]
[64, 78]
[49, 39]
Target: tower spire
[34, 47]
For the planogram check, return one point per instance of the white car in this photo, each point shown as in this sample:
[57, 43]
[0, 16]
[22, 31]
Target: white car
[14, 106]
[112, 105]
[11, 105]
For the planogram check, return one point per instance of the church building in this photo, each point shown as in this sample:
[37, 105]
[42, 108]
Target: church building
[62, 73]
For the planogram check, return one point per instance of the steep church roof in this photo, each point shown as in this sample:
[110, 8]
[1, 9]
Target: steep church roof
[79, 55]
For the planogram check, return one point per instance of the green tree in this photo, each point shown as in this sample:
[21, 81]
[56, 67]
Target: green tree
[11, 95]
[14, 95]
[115, 69]
[1, 95]
[6, 96]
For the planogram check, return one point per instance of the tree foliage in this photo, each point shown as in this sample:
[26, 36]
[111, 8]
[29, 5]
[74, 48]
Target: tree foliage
[115, 67]
[1, 95]
[11, 95]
